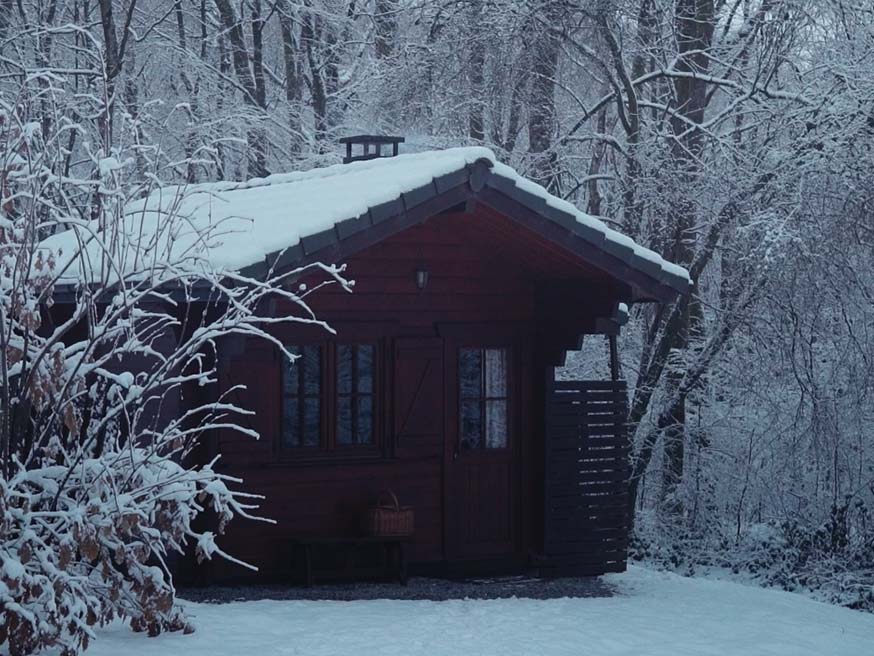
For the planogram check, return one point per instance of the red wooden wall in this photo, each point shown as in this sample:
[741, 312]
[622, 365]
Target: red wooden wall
[488, 280]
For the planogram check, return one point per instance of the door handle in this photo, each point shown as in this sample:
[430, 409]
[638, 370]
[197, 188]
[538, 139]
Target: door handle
[455, 452]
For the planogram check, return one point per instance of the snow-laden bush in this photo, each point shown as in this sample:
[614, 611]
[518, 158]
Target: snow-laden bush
[111, 310]
[101, 552]
[832, 560]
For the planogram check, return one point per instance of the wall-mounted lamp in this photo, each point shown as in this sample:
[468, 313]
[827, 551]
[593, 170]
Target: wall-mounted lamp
[421, 277]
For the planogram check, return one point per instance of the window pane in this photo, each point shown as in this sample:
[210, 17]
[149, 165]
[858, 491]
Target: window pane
[496, 372]
[469, 371]
[365, 420]
[311, 421]
[290, 372]
[290, 423]
[365, 369]
[312, 369]
[344, 369]
[496, 424]
[344, 420]
[471, 424]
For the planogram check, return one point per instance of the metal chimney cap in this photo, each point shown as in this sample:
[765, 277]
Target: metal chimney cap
[371, 138]
[371, 146]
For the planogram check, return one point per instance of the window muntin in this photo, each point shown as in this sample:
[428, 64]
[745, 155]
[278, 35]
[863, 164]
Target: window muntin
[342, 376]
[355, 374]
[302, 397]
[483, 389]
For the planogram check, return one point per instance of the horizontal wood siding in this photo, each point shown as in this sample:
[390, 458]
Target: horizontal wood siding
[483, 271]
[469, 280]
[587, 472]
[329, 500]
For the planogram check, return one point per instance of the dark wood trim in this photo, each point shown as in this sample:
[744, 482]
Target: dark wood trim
[329, 452]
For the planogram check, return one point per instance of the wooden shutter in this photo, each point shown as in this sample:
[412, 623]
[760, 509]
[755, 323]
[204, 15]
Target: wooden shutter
[418, 395]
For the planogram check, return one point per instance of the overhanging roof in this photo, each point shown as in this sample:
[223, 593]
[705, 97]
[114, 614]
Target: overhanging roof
[484, 180]
[330, 213]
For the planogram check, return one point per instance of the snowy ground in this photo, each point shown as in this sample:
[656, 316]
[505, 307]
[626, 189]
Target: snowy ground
[654, 614]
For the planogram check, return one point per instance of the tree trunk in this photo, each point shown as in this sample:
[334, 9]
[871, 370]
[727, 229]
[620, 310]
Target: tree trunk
[6, 12]
[189, 140]
[259, 135]
[309, 32]
[111, 66]
[694, 24]
[386, 24]
[221, 159]
[541, 114]
[517, 100]
[132, 105]
[598, 151]
[113, 53]
[292, 77]
[476, 119]
[253, 89]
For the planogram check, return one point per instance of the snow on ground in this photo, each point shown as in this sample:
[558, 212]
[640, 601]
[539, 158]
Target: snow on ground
[653, 614]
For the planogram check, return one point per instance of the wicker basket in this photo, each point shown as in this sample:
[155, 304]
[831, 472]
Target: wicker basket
[388, 518]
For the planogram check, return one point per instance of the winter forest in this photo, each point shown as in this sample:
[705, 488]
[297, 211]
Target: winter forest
[733, 137]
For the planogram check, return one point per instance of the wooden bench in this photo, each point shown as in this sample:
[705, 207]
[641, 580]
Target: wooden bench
[392, 565]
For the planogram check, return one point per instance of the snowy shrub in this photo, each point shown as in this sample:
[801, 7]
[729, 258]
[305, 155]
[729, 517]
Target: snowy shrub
[85, 544]
[832, 561]
[108, 317]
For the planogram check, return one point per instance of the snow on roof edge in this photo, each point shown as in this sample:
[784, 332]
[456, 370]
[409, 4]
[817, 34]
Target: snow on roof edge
[678, 275]
[470, 154]
[522, 183]
[324, 197]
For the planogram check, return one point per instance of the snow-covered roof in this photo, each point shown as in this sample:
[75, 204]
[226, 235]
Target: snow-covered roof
[294, 215]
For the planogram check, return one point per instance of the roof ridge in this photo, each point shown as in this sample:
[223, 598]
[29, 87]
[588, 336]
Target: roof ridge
[320, 172]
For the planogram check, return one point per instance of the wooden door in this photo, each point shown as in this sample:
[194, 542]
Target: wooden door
[481, 452]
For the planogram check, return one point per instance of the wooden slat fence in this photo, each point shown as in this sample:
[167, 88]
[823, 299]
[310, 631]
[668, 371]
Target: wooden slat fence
[587, 472]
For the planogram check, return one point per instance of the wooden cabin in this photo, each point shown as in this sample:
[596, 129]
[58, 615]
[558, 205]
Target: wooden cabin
[471, 284]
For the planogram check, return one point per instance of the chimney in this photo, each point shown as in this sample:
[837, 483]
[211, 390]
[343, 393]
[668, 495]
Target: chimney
[371, 146]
